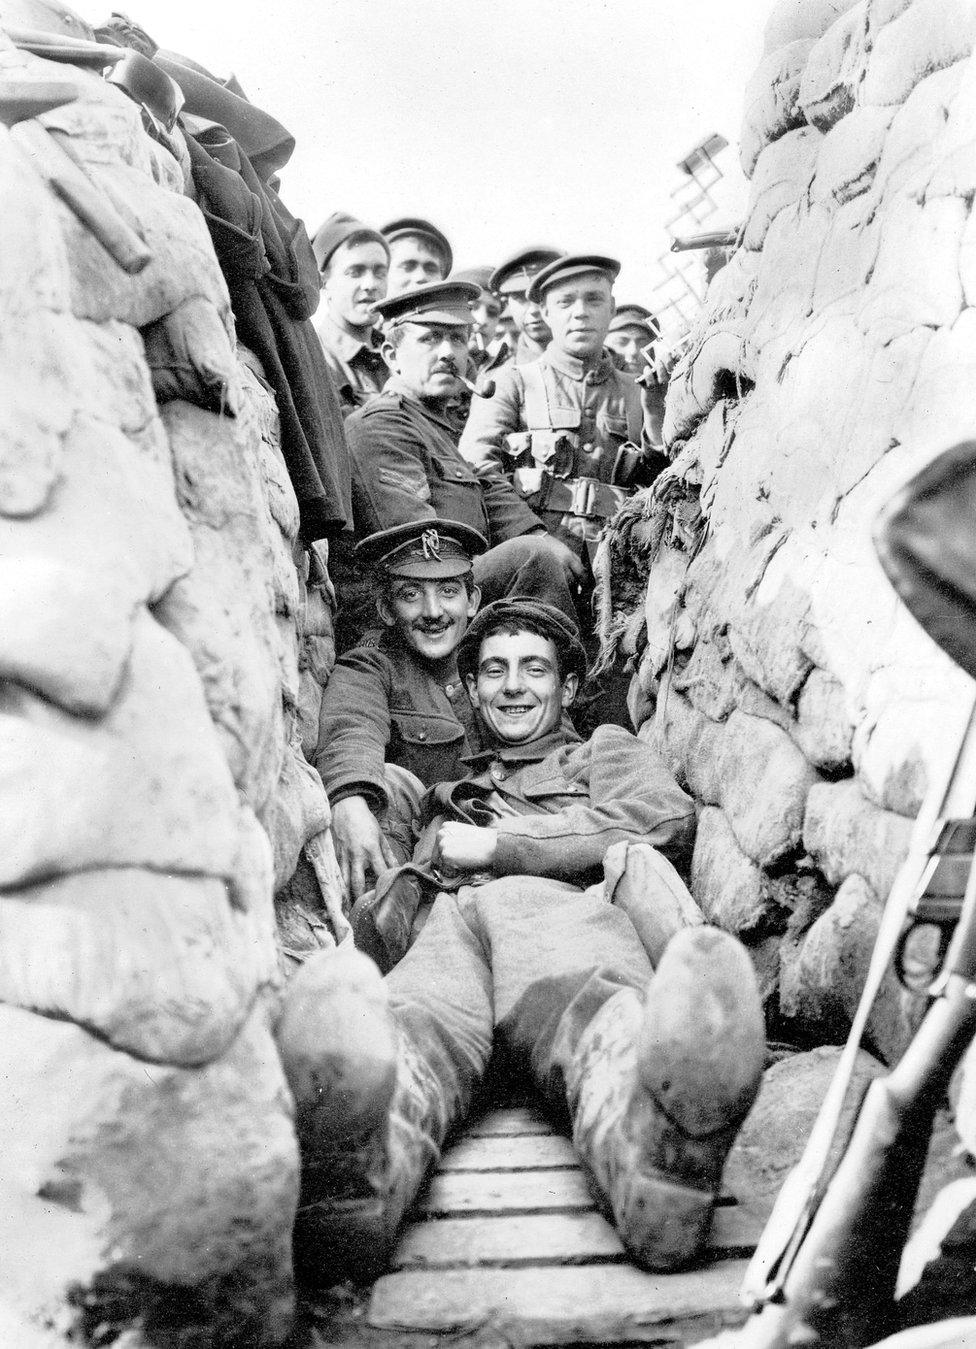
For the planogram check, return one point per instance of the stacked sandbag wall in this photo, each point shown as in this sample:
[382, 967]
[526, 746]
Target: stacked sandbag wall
[836, 354]
[157, 684]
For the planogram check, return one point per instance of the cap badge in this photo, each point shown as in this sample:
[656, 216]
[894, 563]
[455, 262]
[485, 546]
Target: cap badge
[431, 544]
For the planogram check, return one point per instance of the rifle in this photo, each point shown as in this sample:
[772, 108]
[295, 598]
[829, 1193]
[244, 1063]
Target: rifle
[825, 1269]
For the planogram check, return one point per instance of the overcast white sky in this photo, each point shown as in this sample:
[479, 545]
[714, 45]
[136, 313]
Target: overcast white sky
[507, 122]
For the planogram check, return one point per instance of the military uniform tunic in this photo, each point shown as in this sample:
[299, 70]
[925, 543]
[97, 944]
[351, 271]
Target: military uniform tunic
[383, 704]
[508, 354]
[357, 368]
[406, 466]
[570, 438]
[601, 407]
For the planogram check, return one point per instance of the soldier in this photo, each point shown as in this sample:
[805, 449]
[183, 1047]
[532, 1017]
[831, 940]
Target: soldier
[419, 254]
[653, 1072]
[511, 282]
[395, 717]
[631, 328]
[569, 426]
[506, 333]
[354, 263]
[485, 313]
[406, 465]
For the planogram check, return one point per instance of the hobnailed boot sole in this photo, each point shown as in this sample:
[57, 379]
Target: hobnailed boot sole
[338, 1046]
[357, 1191]
[660, 1088]
[370, 1116]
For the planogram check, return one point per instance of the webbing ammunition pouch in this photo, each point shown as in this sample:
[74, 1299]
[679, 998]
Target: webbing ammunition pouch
[554, 471]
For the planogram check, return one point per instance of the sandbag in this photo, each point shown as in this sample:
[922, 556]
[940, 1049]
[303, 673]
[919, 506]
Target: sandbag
[832, 73]
[795, 19]
[772, 104]
[783, 173]
[928, 36]
[850, 154]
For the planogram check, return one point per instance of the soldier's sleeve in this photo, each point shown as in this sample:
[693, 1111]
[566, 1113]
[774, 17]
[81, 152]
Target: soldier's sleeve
[627, 795]
[354, 727]
[388, 477]
[490, 421]
[508, 515]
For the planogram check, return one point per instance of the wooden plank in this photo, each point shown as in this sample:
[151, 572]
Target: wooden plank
[508, 1239]
[562, 1305]
[509, 1152]
[524, 1239]
[505, 1192]
[519, 1119]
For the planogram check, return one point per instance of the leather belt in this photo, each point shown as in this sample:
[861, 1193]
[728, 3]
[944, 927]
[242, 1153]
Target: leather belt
[585, 497]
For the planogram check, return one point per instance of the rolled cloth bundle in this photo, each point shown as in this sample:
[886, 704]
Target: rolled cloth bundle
[926, 543]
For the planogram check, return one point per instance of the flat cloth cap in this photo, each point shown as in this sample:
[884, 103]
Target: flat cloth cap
[533, 614]
[444, 302]
[396, 229]
[423, 549]
[514, 275]
[335, 231]
[568, 266]
[633, 316]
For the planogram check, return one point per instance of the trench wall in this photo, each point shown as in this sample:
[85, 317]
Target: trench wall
[160, 656]
[835, 354]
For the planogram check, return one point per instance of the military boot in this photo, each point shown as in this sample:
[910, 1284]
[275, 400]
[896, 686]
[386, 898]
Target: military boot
[370, 1116]
[658, 1088]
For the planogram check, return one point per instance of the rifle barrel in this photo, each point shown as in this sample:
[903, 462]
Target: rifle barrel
[685, 243]
[954, 796]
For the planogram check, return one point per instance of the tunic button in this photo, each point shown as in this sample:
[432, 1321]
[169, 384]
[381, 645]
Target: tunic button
[459, 473]
[421, 735]
[497, 772]
[449, 690]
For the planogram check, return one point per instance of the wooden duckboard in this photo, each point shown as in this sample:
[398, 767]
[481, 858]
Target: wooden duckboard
[507, 1235]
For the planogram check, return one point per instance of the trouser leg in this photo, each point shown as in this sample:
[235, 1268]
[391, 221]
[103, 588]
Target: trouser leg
[655, 1073]
[557, 955]
[363, 1166]
[398, 819]
[640, 880]
[528, 565]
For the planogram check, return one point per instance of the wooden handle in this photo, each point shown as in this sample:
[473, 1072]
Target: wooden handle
[79, 193]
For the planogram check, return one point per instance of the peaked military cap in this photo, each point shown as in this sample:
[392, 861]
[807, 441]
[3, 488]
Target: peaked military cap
[477, 276]
[568, 266]
[396, 229]
[425, 549]
[443, 302]
[335, 231]
[515, 274]
[552, 622]
[633, 316]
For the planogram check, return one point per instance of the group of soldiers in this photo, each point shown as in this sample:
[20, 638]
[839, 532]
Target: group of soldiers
[513, 886]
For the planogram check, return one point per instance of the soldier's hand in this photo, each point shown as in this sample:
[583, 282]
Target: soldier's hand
[359, 843]
[466, 847]
[652, 407]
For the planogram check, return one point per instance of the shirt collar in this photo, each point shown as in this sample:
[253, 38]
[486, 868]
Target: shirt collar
[345, 346]
[527, 349]
[534, 751]
[571, 366]
[429, 409]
